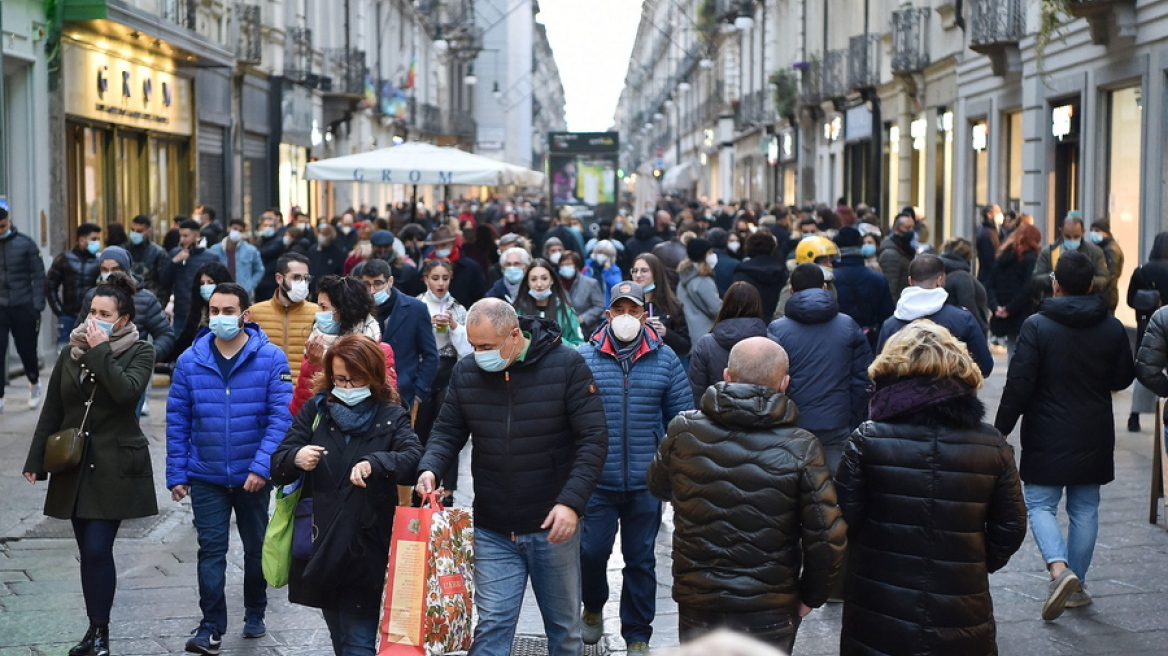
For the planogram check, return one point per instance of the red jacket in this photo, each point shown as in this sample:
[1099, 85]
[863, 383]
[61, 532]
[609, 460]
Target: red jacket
[306, 384]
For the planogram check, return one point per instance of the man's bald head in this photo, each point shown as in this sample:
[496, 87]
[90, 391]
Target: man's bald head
[758, 361]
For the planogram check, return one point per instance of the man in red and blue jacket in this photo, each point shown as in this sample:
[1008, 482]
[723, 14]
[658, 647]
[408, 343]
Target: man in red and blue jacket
[644, 386]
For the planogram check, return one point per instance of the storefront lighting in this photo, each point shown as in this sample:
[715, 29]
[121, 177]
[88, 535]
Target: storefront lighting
[1060, 124]
[894, 139]
[980, 136]
[918, 130]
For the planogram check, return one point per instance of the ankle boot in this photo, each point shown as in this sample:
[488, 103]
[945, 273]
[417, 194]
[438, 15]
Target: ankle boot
[101, 642]
[1133, 422]
[85, 647]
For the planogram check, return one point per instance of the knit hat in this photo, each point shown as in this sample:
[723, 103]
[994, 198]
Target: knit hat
[117, 254]
[848, 236]
[697, 248]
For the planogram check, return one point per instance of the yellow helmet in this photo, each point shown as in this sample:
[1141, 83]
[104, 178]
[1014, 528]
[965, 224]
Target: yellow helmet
[815, 247]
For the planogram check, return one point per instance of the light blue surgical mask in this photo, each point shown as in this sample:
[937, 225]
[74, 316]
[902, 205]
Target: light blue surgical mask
[206, 290]
[540, 295]
[381, 297]
[225, 327]
[513, 274]
[868, 250]
[107, 326]
[443, 253]
[568, 271]
[492, 361]
[267, 232]
[327, 323]
[1072, 244]
[650, 287]
[351, 396]
[1095, 237]
[136, 238]
[104, 275]
[93, 247]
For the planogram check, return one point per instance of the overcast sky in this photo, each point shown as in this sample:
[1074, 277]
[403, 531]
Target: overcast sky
[591, 40]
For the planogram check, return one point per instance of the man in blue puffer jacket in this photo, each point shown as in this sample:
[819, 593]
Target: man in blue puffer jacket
[829, 358]
[644, 386]
[227, 413]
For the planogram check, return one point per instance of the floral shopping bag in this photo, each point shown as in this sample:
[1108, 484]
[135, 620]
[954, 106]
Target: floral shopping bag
[428, 604]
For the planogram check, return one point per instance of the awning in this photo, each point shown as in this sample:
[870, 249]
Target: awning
[422, 164]
[681, 177]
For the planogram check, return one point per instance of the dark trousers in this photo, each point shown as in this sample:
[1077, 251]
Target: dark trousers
[212, 505]
[428, 414]
[639, 514]
[776, 628]
[24, 323]
[99, 576]
[352, 635]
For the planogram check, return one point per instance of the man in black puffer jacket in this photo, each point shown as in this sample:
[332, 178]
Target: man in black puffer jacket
[540, 441]
[759, 538]
[1071, 355]
[22, 300]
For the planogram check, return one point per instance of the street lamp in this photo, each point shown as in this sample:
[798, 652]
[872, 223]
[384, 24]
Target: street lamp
[440, 42]
[471, 79]
[495, 91]
[684, 86]
[706, 62]
[743, 22]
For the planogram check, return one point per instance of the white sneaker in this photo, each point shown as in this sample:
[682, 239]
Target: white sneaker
[34, 400]
[146, 408]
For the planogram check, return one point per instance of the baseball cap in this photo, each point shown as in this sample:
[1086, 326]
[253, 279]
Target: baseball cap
[382, 238]
[627, 289]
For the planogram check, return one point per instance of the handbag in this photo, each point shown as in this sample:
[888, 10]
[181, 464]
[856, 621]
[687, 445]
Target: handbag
[276, 557]
[1146, 301]
[63, 449]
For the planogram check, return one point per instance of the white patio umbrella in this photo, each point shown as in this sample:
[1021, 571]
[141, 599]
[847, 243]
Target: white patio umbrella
[422, 164]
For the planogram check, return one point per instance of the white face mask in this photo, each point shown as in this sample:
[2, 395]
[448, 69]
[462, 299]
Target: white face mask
[555, 257]
[297, 291]
[711, 259]
[625, 327]
[235, 236]
[734, 246]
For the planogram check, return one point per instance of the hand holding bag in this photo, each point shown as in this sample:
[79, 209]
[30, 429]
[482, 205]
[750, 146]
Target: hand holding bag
[276, 556]
[64, 449]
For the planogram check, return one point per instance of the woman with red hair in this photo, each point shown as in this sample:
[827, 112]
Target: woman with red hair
[1008, 291]
[349, 447]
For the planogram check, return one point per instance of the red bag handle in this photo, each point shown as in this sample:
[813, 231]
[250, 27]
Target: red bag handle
[432, 500]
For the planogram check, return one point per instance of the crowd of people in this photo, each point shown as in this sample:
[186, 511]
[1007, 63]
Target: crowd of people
[801, 386]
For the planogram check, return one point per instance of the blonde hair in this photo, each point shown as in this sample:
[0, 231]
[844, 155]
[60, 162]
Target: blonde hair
[924, 348]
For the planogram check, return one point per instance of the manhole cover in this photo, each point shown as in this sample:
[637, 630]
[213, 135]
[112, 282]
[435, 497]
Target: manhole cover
[139, 527]
[537, 646]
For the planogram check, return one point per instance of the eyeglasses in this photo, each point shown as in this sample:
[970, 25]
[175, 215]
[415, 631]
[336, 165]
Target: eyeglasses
[299, 277]
[342, 381]
[374, 284]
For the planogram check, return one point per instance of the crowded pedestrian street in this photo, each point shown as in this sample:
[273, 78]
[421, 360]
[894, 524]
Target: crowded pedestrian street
[42, 609]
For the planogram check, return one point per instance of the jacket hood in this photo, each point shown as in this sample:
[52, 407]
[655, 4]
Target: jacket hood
[766, 269]
[916, 303]
[644, 233]
[812, 306]
[744, 406]
[954, 263]
[731, 331]
[545, 336]
[1075, 311]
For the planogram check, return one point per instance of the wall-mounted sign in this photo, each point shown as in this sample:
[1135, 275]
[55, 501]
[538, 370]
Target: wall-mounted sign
[107, 88]
[980, 136]
[858, 123]
[1062, 121]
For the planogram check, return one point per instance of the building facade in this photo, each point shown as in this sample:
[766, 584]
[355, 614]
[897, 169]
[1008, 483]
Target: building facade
[941, 106]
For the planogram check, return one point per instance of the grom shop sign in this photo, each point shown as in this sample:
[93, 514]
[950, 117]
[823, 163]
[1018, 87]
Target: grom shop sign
[107, 88]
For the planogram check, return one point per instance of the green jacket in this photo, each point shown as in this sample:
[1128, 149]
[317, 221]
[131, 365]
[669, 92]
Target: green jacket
[115, 479]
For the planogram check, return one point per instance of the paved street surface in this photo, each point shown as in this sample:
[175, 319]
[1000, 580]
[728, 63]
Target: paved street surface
[42, 612]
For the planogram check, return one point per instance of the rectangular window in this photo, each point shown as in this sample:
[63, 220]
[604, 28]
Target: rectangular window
[979, 137]
[1124, 144]
[1014, 160]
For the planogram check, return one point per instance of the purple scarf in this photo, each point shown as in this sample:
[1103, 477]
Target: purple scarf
[901, 397]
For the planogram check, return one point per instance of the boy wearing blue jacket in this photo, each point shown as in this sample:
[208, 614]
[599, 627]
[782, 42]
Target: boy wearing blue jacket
[226, 414]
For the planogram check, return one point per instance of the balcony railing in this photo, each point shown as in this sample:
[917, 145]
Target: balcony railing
[754, 110]
[349, 71]
[428, 118]
[250, 47]
[811, 84]
[997, 27]
[298, 56]
[910, 30]
[179, 11]
[835, 83]
[461, 124]
[713, 104]
[864, 62]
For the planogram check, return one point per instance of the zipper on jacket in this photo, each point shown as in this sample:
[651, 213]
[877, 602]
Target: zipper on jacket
[507, 447]
[625, 429]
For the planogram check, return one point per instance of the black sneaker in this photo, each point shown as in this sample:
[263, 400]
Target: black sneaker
[253, 627]
[1133, 423]
[205, 641]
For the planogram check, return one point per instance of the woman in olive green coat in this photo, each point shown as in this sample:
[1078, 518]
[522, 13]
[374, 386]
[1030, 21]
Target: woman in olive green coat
[114, 480]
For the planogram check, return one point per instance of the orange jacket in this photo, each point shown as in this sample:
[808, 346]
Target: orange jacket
[286, 327]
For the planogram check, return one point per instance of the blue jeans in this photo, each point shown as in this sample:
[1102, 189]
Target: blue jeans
[352, 635]
[212, 505]
[1082, 510]
[502, 567]
[639, 514]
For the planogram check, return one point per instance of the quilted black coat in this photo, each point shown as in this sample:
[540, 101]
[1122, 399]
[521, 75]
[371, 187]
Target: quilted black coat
[540, 433]
[933, 505]
[756, 523]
